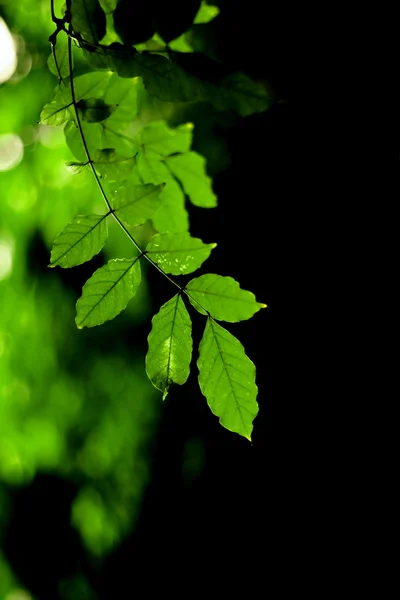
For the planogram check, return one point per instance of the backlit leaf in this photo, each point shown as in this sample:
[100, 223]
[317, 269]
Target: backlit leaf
[178, 253]
[223, 298]
[88, 19]
[170, 346]
[61, 52]
[55, 113]
[190, 169]
[94, 110]
[79, 241]
[134, 204]
[111, 166]
[227, 379]
[157, 137]
[108, 292]
[206, 13]
[92, 133]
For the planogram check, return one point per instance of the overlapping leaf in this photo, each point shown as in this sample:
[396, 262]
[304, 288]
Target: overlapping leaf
[94, 110]
[157, 137]
[170, 346]
[135, 204]
[190, 169]
[61, 53]
[222, 297]
[79, 241]
[108, 292]
[111, 166]
[92, 133]
[88, 19]
[227, 379]
[178, 253]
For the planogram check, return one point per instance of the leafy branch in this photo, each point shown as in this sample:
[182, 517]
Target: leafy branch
[149, 175]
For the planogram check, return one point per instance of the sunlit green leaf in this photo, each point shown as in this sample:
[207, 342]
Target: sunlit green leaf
[206, 13]
[85, 86]
[61, 52]
[123, 93]
[79, 241]
[223, 298]
[172, 215]
[190, 169]
[178, 253]
[94, 110]
[92, 133]
[157, 137]
[111, 166]
[110, 138]
[55, 113]
[170, 346]
[108, 292]
[135, 204]
[227, 379]
[88, 19]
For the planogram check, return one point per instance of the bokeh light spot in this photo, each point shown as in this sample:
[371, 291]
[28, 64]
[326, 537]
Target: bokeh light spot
[11, 151]
[8, 54]
[6, 259]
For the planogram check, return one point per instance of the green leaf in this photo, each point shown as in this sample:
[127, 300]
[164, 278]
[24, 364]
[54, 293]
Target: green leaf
[122, 144]
[223, 298]
[94, 110]
[88, 19]
[172, 215]
[157, 137]
[170, 346]
[134, 204]
[79, 241]
[92, 133]
[111, 166]
[61, 52]
[108, 292]
[55, 113]
[227, 379]
[124, 94]
[85, 86]
[190, 169]
[75, 167]
[178, 253]
[206, 13]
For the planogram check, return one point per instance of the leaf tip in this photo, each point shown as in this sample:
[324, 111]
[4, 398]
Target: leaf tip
[165, 394]
[51, 265]
[214, 245]
[189, 126]
[263, 305]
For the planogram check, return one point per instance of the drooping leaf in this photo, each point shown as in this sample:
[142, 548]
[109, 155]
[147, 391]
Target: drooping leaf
[175, 17]
[79, 241]
[88, 20]
[170, 346]
[157, 137]
[94, 110]
[55, 113]
[92, 133]
[108, 292]
[190, 169]
[111, 166]
[135, 204]
[61, 52]
[134, 21]
[172, 215]
[206, 13]
[223, 298]
[227, 379]
[75, 167]
[178, 253]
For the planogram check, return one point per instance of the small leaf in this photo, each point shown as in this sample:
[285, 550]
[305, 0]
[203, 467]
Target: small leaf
[108, 292]
[85, 86]
[122, 144]
[170, 346]
[55, 113]
[61, 52]
[157, 137]
[75, 167]
[190, 169]
[92, 133]
[223, 298]
[178, 253]
[79, 241]
[227, 379]
[206, 13]
[111, 166]
[172, 215]
[94, 110]
[88, 19]
[135, 204]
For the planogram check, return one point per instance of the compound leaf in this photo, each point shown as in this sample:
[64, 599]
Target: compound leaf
[79, 241]
[227, 379]
[108, 292]
[190, 169]
[178, 253]
[170, 346]
[134, 204]
[55, 113]
[223, 298]
[159, 138]
[111, 166]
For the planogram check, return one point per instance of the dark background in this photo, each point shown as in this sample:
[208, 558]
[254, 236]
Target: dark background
[215, 529]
